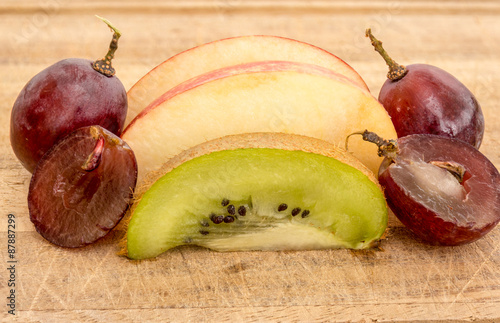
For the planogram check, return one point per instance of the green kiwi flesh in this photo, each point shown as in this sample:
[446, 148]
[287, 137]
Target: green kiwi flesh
[256, 194]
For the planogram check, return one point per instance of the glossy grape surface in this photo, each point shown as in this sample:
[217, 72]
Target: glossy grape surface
[432, 202]
[82, 187]
[60, 99]
[429, 100]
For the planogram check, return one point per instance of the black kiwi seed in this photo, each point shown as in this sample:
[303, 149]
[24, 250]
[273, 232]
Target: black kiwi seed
[296, 211]
[242, 210]
[224, 202]
[282, 207]
[203, 232]
[305, 213]
[231, 209]
[216, 218]
[228, 219]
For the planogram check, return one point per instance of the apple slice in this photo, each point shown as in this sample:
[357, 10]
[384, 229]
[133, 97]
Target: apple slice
[227, 52]
[273, 96]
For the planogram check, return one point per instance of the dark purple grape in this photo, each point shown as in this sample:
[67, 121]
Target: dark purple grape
[68, 95]
[82, 187]
[443, 189]
[424, 99]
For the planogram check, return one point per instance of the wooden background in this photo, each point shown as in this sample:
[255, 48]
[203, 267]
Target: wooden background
[406, 281]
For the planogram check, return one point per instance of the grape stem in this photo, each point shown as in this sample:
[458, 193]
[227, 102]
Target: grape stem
[396, 71]
[104, 66]
[386, 148]
[389, 149]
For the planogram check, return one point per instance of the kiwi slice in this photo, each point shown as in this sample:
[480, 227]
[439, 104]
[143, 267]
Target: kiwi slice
[259, 192]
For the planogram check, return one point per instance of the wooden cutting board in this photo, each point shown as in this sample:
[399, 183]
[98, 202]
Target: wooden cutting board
[404, 281]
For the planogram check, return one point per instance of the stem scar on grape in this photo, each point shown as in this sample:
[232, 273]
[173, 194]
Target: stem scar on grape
[389, 149]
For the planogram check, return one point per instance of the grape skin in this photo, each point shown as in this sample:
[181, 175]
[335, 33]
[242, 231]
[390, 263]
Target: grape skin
[60, 99]
[444, 219]
[73, 207]
[429, 100]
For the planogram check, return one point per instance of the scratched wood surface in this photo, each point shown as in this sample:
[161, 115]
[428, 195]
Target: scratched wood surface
[406, 281]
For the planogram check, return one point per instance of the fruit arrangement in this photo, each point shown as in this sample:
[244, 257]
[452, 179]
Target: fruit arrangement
[65, 127]
[237, 145]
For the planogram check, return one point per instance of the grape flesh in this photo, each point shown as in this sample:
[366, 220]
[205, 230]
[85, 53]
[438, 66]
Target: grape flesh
[60, 99]
[82, 187]
[435, 204]
[429, 100]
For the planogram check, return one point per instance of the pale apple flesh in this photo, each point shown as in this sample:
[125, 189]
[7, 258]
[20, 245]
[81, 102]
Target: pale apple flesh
[227, 52]
[277, 98]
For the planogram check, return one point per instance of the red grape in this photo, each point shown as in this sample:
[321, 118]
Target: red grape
[68, 95]
[424, 99]
[444, 190]
[82, 186]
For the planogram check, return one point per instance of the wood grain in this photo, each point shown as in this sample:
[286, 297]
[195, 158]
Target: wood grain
[406, 281]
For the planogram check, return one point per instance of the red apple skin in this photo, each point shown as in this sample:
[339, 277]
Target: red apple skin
[429, 100]
[252, 67]
[154, 83]
[481, 182]
[60, 99]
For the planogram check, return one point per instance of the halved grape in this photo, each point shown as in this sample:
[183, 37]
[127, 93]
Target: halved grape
[82, 187]
[442, 189]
